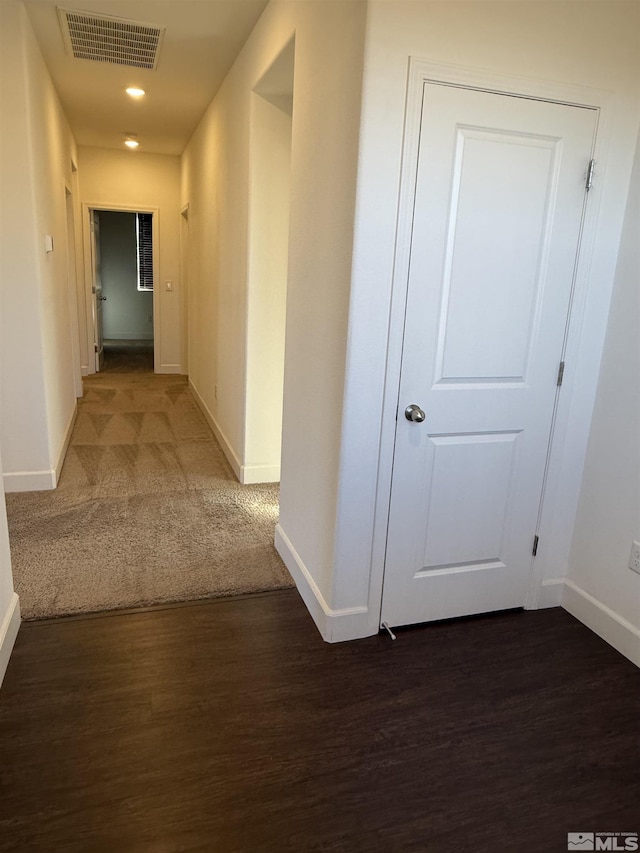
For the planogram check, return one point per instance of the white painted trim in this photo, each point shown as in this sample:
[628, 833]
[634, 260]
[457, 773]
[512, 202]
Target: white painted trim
[85, 370]
[246, 474]
[606, 623]
[72, 283]
[260, 474]
[62, 452]
[184, 273]
[573, 416]
[157, 301]
[8, 633]
[551, 593]
[170, 368]
[582, 355]
[335, 626]
[474, 77]
[45, 480]
[220, 436]
[87, 270]
[29, 481]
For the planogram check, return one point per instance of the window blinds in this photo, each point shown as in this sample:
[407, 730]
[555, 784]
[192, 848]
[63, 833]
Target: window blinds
[145, 250]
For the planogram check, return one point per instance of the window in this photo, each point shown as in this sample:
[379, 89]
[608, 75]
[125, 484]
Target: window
[144, 244]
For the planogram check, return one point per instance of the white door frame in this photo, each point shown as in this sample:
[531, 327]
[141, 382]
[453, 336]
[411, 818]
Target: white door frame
[184, 260]
[72, 254]
[575, 403]
[87, 207]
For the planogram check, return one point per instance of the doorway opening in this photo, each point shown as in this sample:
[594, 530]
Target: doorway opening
[270, 170]
[123, 273]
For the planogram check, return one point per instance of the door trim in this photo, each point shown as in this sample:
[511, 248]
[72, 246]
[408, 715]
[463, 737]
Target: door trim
[87, 207]
[184, 261]
[575, 403]
[72, 284]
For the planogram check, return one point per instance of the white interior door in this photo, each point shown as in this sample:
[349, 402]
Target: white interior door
[96, 289]
[499, 200]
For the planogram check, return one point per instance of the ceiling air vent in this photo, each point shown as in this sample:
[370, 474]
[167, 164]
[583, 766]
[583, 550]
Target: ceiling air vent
[103, 38]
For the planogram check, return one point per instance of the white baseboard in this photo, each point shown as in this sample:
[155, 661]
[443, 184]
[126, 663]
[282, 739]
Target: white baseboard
[41, 481]
[606, 623]
[29, 481]
[169, 368]
[65, 443]
[246, 474]
[335, 626]
[220, 436]
[84, 370]
[260, 474]
[8, 632]
[551, 593]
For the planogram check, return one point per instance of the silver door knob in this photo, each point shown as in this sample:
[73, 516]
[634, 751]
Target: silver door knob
[102, 298]
[414, 413]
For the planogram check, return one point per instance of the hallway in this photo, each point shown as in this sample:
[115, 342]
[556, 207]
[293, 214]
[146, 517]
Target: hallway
[147, 509]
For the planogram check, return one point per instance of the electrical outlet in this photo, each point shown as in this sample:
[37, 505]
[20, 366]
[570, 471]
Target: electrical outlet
[634, 559]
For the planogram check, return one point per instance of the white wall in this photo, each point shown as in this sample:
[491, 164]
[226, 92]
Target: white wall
[580, 44]
[127, 313]
[111, 179]
[327, 89]
[38, 390]
[602, 590]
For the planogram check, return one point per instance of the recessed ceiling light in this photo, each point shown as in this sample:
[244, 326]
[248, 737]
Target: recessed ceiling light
[131, 141]
[134, 92]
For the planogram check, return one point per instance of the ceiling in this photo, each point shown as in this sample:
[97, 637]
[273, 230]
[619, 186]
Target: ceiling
[202, 39]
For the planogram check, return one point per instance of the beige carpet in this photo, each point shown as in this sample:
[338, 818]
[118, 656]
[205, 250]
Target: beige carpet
[147, 510]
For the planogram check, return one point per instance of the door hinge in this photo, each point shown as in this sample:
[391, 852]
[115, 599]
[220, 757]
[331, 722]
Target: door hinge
[590, 169]
[95, 347]
[535, 545]
[560, 374]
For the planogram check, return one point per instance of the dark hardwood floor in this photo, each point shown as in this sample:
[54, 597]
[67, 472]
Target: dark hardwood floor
[230, 726]
[128, 357]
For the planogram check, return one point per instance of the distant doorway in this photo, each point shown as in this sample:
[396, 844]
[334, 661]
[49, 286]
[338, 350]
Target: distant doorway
[126, 271]
[122, 289]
